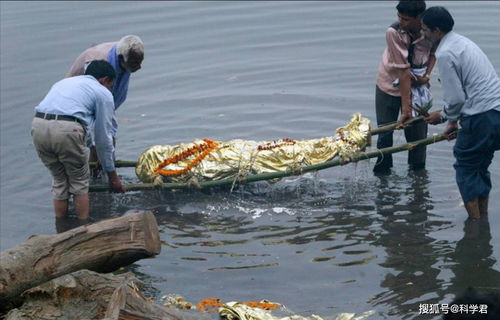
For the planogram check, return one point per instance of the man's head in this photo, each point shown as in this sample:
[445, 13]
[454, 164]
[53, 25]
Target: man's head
[130, 52]
[103, 71]
[436, 23]
[409, 12]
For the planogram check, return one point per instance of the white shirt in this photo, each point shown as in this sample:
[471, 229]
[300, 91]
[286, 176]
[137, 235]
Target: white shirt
[470, 83]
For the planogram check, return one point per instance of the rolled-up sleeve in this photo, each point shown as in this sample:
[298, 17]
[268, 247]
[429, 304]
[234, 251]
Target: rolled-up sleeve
[103, 128]
[397, 50]
[453, 93]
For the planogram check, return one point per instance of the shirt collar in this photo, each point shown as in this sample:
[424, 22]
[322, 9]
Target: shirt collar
[444, 39]
[420, 38]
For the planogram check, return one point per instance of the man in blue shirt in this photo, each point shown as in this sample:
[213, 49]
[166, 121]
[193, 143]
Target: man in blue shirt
[59, 130]
[125, 56]
[471, 92]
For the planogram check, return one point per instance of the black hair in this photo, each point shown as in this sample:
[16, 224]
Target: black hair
[438, 17]
[412, 8]
[99, 69]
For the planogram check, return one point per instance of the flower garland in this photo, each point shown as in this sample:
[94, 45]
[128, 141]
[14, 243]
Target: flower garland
[213, 304]
[276, 144]
[204, 149]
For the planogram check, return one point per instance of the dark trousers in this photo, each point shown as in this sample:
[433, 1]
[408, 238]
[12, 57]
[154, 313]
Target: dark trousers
[477, 141]
[388, 108]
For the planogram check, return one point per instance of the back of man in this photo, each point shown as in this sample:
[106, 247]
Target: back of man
[59, 129]
[471, 91]
[125, 56]
[97, 52]
[480, 91]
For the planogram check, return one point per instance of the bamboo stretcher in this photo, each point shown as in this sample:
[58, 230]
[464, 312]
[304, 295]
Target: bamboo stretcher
[279, 174]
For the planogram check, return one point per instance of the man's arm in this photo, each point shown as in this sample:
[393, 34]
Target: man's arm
[453, 92]
[405, 77]
[397, 50]
[453, 96]
[104, 141]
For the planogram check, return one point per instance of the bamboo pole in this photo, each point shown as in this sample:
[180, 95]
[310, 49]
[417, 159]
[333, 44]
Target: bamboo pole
[119, 164]
[280, 174]
[393, 126]
[373, 132]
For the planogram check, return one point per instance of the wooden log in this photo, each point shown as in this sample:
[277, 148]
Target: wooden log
[89, 295]
[127, 303]
[103, 247]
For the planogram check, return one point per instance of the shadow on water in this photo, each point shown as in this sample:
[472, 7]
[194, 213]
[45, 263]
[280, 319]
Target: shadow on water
[472, 262]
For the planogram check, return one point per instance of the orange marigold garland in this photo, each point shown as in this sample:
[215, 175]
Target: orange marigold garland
[204, 149]
[212, 304]
[276, 144]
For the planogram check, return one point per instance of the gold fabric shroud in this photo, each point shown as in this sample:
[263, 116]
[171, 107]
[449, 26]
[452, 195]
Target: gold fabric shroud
[245, 157]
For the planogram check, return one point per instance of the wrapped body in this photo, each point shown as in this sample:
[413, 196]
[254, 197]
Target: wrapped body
[239, 157]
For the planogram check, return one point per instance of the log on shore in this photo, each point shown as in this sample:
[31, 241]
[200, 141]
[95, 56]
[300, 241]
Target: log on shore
[88, 295]
[104, 246]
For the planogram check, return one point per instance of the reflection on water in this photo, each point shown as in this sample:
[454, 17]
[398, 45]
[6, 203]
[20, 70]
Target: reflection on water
[472, 262]
[411, 255]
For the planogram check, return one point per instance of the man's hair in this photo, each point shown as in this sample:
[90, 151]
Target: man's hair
[412, 8]
[438, 17]
[129, 43]
[99, 69]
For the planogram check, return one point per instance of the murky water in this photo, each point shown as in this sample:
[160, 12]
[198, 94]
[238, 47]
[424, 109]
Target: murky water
[337, 241]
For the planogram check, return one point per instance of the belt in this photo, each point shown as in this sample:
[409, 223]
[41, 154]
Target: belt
[50, 116]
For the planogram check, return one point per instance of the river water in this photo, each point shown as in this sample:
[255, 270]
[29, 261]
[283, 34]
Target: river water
[337, 241]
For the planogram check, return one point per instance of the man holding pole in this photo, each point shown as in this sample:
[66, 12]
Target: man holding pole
[406, 64]
[471, 92]
[59, 129]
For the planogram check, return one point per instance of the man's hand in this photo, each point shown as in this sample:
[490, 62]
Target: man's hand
[434, 118]
[449, 132]
[115, 183]
[421, 80]
[405, 116]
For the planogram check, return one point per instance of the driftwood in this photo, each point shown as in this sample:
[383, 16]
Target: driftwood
[103, 247]
[88, 295]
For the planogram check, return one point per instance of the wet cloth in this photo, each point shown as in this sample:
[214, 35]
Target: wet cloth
[60, 145]
[477, 140]
[421, 95]
[239, 311]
